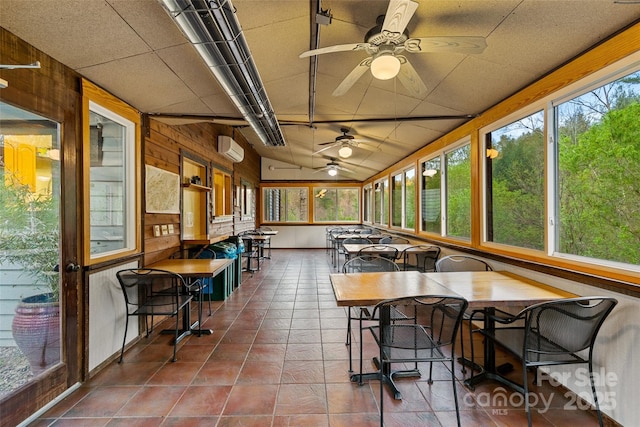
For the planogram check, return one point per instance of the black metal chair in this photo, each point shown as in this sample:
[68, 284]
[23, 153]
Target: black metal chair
[394, 239]
[429, 336]
[555, 333]
[464, 263]
[425, 257]
[381, 250]
[150, 292]
[369, 263]
[353, 241]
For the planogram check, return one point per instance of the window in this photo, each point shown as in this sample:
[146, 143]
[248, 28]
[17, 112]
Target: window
[458, 192]
[285, 204]
[598, 170]
[381, 202]
[403, 194]
[110, 171]
[223, 195]
[514, 171]
[430, 207]
[246, 201]
[367, 200]
[336, 204]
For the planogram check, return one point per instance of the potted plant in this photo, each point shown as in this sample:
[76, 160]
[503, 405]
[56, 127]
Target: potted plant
[29, 240]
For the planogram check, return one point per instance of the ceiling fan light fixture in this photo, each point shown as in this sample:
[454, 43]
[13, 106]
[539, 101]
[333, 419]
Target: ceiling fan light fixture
[345, 151]
[385, 66]
[332, 172]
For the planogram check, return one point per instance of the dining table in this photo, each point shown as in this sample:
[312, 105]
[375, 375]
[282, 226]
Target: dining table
[190, 270]
[489, 290]
[484, 290]
[365, 289]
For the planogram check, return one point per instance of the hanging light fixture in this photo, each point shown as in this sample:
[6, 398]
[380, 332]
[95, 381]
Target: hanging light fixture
[385, 66]
[345, 151]
[429, 173]
[332, 172]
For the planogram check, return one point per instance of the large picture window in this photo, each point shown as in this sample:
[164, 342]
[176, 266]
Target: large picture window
[598, 171]
[431, 194]
[336, 204]
[514, 165]
[403, 194]
[381, 202]
[285, 204]
[458, 192]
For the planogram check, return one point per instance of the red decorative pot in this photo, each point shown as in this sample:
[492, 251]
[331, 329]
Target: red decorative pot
[36, 331]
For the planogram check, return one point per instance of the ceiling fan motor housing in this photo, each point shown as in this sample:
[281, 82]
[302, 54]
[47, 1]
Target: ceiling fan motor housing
[376, 37]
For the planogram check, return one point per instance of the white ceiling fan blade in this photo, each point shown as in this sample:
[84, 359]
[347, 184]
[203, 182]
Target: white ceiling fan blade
[457, 44]
[323, 149]
[336, 48]
[410, 78]
[399, 13]
[353, 77]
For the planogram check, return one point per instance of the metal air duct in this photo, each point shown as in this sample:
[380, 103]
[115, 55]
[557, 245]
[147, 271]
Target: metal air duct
[213, 29]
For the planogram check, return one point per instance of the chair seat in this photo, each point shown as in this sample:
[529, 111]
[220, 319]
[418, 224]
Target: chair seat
[162, 304]
[409, 343]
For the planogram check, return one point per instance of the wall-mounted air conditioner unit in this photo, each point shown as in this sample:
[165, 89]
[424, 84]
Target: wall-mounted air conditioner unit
[230, 148]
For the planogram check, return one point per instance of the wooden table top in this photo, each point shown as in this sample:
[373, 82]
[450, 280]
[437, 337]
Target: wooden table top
[498, 288]
[193, 267]
[255, 237]
[355, 289]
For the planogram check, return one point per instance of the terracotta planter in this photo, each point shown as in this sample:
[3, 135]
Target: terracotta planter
[36, 331]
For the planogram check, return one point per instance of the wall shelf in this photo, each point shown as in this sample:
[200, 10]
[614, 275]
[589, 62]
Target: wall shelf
[197, 187]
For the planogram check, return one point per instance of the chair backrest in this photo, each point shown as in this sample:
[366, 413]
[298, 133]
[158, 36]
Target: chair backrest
[206, 253]
[462, 263]
[369, 263]
[439, 316]
[384, 251]
[140, 284]
[357, 241]
[426, 256]
[567, 326]
[394, 239]
[364, 231]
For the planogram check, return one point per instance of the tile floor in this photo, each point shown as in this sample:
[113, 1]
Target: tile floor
[277, 358]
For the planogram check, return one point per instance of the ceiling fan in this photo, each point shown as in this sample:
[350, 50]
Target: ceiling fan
[332, 168]
[346, 143]
[388, 40]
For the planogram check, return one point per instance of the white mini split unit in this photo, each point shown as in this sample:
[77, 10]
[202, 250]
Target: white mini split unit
[231, 149]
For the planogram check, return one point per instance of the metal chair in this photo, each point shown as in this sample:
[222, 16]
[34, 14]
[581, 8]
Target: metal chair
[381, 250]
[369, 263]
[429, 337]
[394, 239]
[464, 263]
[352, 241]
[555, 333]
[425, 257]
[150, 292]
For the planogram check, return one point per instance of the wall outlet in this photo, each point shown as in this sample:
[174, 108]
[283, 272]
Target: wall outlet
[156, 230]
[165, 230]
[170, 228]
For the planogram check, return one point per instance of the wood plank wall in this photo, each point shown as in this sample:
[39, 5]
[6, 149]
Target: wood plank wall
[162, 148]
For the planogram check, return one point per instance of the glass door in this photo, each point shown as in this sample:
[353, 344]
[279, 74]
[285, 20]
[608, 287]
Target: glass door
[30, 294]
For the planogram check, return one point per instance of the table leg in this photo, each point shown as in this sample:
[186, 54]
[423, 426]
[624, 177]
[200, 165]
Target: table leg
[489, 371]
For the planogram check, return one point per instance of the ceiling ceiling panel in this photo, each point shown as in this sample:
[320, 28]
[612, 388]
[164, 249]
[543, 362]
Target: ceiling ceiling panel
[134, 50]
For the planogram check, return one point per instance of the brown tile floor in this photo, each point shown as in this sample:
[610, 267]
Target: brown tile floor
[277, 358]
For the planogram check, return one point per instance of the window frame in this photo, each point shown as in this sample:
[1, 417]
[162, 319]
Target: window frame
[99, 101]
